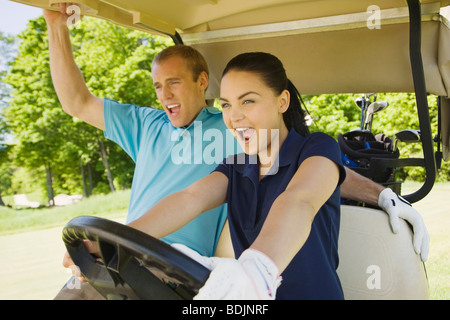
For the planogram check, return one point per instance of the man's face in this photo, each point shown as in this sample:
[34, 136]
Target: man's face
[181, 96]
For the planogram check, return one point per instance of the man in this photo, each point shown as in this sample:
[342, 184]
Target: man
[154, 138]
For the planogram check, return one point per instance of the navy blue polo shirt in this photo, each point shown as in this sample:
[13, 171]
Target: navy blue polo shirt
[312, 272]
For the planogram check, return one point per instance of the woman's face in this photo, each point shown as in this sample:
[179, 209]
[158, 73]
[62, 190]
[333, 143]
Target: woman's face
[253, 112]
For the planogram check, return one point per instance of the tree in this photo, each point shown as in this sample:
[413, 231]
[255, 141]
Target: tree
[7, 50]
[33, 113]
[5, 171]
[334, 114]
[116, 64]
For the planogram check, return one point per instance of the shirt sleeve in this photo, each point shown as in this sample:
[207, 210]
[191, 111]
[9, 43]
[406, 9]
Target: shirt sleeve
[321, 144]
[124, 124]
[224, 167]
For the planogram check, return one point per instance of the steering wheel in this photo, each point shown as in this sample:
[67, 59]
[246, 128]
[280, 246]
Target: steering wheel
[132, 264]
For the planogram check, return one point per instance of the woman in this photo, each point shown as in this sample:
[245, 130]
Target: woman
[283, 200]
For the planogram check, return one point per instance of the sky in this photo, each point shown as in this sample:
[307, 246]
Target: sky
[14, 16]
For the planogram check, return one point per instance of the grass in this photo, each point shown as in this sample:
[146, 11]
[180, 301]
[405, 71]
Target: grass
[107, 206]
[434, 209]
[436, 214]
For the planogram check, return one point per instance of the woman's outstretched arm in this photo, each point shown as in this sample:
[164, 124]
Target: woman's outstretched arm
[178, 209]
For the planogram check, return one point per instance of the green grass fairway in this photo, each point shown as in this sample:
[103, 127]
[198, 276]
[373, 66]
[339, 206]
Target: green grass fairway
[32, 250]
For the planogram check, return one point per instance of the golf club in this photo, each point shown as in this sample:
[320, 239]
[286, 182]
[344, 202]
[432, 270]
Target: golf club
[407, 135]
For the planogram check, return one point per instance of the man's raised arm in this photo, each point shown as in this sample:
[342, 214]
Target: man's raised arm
[73, 94]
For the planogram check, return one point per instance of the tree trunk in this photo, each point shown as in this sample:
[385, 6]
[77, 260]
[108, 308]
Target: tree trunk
[1, 201]
[106, 164]
[83, 179]
[49, 185]
[91, 182]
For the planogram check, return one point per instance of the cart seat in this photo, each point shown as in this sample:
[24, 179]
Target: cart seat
[375, 263]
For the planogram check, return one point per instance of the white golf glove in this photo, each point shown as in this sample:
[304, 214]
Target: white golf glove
[207, 262]
[397, 207]
[253, 276]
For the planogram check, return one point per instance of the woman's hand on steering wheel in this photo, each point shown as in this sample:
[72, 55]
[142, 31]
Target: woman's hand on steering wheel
[92, 248]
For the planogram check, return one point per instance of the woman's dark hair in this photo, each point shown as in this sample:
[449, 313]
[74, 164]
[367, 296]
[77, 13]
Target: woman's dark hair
[273, 74]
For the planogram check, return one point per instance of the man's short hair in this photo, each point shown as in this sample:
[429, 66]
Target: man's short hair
[194, 59]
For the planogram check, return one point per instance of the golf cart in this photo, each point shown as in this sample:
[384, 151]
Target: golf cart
[324, 45]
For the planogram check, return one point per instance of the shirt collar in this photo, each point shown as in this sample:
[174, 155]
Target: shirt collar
[203, 114]
[288, 153]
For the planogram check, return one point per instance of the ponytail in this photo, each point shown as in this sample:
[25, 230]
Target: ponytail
[294, 117]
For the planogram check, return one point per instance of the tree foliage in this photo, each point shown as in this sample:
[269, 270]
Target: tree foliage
[7, 50]
[68, 156]
[115, 62]
[336, 114]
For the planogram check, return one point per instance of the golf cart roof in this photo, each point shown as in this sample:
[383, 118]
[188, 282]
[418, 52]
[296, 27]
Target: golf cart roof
[327, 46]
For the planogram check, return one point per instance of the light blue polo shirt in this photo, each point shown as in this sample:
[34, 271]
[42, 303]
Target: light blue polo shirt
[169, 159]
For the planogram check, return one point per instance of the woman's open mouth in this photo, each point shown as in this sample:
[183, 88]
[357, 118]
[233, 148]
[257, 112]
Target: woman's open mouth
[245, 134]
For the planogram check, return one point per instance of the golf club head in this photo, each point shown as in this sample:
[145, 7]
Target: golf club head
[374, 107]
[362, 102]
[359, 102]
[407, 135]
[377, 106]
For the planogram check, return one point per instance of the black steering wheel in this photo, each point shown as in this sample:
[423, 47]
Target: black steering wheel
[132, 264]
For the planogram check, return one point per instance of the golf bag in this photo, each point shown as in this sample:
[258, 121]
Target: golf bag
[360, 149]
